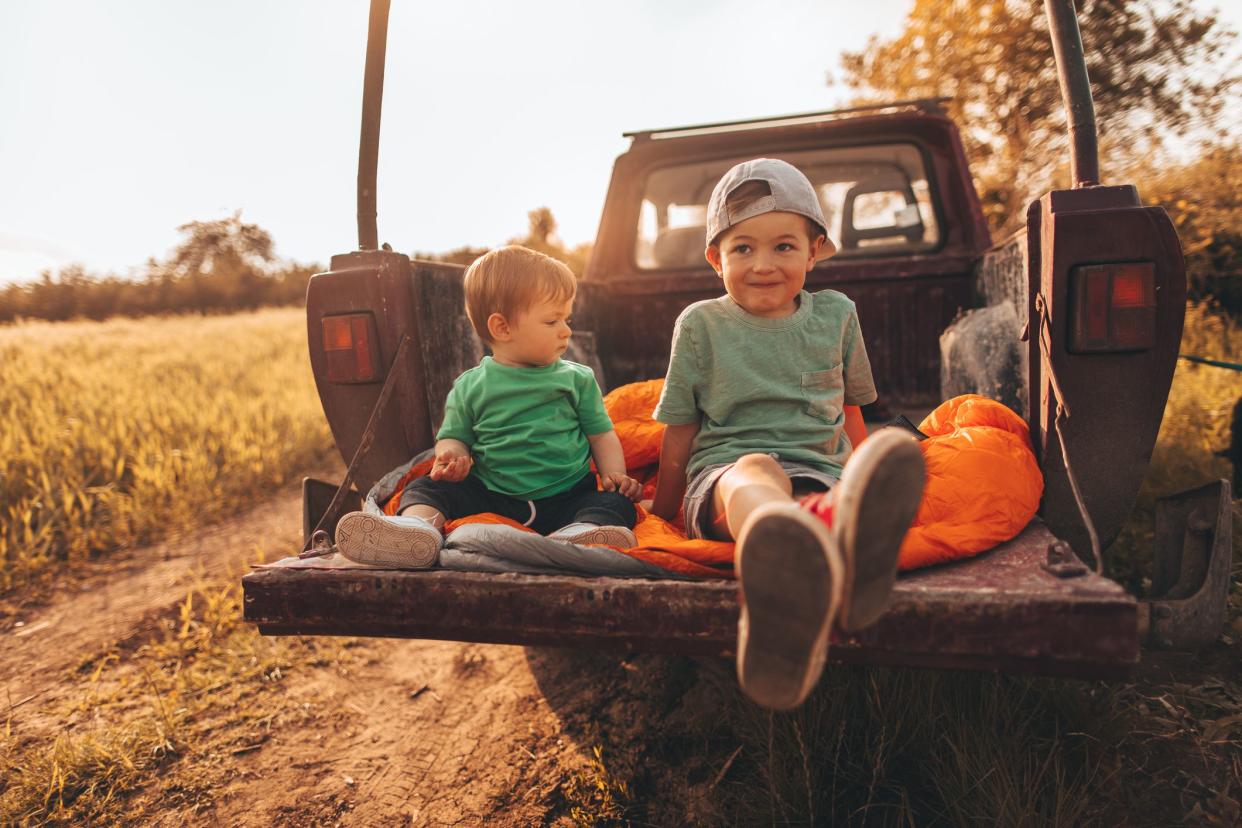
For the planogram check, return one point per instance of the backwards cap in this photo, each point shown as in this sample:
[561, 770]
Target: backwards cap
[789, 192]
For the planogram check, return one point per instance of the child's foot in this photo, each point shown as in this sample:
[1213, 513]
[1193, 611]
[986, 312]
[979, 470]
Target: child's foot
[791, 578]
[869, 512]
[403, 541]
[591, 534]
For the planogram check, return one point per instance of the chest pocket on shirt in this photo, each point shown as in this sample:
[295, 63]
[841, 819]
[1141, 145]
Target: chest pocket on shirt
[823, 393]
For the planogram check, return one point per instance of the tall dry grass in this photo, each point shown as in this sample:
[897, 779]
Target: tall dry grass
[1195, 429]
[119, 432]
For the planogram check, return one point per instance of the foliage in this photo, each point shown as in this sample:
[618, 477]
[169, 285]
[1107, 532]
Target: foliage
[1154, 67]
[1188, 452]
[115, 433]
[596, 795]
[219, 266]
[1204, 199]
[540, 235]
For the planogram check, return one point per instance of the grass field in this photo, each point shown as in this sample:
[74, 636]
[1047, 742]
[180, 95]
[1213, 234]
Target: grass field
[115, 433]
[120, 432]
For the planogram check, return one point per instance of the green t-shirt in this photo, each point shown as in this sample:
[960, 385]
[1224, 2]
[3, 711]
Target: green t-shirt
[526, 427]
[758, 385]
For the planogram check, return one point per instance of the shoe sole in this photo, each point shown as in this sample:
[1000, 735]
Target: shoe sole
[371, 540]
[787, 609]
[880, 489]
[615, 536]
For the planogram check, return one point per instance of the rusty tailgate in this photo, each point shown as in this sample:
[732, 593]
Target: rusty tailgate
[999, 611]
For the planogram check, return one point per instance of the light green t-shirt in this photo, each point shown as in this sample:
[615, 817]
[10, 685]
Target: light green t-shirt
[526, 427]
[758, 385]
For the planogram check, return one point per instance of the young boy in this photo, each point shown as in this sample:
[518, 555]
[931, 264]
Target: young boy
[519, 432]
[762, 403]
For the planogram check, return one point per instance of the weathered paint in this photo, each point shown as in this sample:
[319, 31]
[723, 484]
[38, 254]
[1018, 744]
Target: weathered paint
[1000, 610]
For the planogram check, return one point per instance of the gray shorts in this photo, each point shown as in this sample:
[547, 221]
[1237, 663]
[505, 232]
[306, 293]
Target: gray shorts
[698, 501]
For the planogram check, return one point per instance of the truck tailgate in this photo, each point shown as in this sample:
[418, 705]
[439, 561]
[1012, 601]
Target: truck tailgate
[999, 611]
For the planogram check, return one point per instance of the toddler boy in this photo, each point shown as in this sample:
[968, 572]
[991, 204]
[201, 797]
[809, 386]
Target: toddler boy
[762, 404]
[519, 432]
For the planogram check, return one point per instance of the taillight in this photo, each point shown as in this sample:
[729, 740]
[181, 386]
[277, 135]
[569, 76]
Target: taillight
[349, 343]
[1113, 307]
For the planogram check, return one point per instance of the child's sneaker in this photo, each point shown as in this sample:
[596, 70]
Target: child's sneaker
[402, 541]
[591, 534]
[791, 579]
[869, 512]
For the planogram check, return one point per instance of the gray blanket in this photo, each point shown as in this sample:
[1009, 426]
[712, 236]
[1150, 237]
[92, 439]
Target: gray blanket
[486, 548]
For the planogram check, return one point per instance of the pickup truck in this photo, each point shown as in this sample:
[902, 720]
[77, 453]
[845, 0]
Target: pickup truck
[1074, 321]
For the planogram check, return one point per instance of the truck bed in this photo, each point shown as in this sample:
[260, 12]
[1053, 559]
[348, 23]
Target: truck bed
[999, 611]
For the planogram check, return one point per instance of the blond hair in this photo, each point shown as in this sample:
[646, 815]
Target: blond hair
[509, 280]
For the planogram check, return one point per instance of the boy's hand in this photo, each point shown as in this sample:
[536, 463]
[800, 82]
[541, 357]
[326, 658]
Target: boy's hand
[623, 484]
[451, 465]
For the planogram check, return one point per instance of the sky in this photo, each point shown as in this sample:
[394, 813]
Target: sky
[120, 121]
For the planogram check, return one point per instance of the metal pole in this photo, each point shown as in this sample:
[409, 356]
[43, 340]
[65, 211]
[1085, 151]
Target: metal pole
[368, 144]
[1075, 91]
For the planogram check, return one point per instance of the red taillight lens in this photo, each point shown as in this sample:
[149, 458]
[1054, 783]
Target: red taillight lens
[349, 343]
[1113, 307]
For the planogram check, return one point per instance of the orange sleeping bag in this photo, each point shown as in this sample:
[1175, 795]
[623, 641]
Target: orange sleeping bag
[983, 485]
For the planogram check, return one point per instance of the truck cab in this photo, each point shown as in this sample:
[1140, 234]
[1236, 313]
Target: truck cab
[1073, 321]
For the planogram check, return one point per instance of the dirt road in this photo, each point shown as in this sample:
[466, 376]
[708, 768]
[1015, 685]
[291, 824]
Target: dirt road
[394, 732]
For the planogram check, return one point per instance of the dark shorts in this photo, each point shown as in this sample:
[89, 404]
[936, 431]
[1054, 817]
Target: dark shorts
[698, 498]
[581, 503]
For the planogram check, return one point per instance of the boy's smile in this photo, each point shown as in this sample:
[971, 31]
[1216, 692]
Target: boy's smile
[537, 336]
[764, 261]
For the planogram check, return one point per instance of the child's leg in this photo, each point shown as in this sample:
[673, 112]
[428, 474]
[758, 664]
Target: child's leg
[587, 516]
[411, 539]
[752, 481]
[868, 514]
[791, 579]
[428, 513]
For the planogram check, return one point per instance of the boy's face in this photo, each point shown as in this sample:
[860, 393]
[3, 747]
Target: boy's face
[764, 261]
[535, 337]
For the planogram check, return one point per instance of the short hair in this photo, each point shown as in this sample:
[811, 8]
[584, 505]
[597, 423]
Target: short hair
[509, 280]
[748, 192]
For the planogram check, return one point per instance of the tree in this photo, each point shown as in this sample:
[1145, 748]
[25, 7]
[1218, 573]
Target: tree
[1204, 199]
[541, 235]
[222, 263]
[1153, 66]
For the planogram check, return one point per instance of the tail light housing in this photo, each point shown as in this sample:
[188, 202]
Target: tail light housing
[1112, 307]
[351, 348]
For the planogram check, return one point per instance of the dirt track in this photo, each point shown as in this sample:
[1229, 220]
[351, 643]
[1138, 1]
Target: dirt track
[427, 733]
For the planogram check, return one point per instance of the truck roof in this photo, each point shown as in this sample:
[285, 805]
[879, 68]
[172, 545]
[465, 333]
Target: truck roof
[928, 105]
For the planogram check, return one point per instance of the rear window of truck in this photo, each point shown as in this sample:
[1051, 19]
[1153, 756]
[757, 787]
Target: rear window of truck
[876, 200]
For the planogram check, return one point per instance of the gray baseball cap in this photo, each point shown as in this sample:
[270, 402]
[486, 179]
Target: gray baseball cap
[789, 191]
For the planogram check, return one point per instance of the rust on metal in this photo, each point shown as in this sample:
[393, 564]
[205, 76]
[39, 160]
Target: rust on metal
[1115, 400]
[1194, 552]
[1000, 610]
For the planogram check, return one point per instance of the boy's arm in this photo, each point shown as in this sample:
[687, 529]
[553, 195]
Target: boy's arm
[855, 428]
[674, 455]
[453, 461]
[609, 460]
